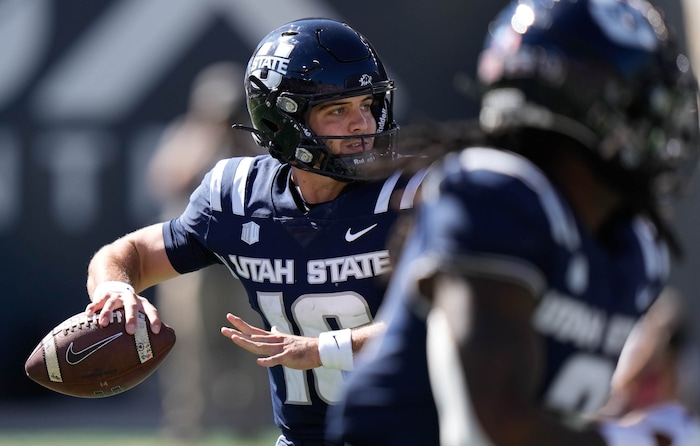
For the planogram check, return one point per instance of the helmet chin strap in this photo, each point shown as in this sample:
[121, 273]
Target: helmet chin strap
[298, 196]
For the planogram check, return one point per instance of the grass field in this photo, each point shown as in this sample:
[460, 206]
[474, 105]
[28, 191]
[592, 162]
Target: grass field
[103, 437]
[131, 419]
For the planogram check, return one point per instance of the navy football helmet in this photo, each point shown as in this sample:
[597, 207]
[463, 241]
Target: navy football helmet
[605, 73]
[304, 63]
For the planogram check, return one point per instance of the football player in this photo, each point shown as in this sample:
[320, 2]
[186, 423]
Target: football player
[304, 227]
[532, 258]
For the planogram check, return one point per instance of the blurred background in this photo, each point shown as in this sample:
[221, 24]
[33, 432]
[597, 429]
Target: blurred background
[90, 90]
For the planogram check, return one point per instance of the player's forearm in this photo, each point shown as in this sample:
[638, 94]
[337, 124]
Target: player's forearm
[336, 348]
[117, 261]
[138, 258]
[361, 335]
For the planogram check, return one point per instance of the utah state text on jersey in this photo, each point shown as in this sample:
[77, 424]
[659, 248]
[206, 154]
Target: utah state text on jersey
[318, 271]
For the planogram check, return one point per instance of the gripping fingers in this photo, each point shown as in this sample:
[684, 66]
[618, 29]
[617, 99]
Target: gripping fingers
[142, 305]
[121, 295]
[130, 315]
[92, 308]
[152, 313]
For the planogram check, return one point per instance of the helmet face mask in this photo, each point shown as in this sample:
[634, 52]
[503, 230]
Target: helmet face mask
[603, 72]
[305, 63]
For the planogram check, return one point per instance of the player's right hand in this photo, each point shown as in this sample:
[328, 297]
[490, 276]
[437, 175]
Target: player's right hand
[110, 296]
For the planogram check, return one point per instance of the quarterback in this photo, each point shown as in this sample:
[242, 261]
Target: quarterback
[304, 227]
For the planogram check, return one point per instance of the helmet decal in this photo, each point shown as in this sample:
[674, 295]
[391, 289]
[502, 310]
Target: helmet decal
[270, 63]
[365, 80]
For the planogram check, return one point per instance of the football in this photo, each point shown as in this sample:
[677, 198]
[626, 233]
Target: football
[82, 359]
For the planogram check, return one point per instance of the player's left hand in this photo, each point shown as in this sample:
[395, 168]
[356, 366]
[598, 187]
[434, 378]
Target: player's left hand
[274, 347]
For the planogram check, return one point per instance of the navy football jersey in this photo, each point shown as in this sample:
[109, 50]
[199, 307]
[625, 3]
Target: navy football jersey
[304, 272]
[493, 213]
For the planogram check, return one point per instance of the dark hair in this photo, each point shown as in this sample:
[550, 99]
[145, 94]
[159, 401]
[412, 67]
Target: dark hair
[544, 148]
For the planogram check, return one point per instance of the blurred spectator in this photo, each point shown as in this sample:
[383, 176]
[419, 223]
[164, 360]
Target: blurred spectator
[206, 382]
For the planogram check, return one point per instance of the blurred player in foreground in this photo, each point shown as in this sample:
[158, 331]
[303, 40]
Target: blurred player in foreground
[303, 227]
[532, 258]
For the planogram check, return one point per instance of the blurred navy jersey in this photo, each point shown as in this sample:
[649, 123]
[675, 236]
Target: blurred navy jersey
[491, 213]
[305, 273]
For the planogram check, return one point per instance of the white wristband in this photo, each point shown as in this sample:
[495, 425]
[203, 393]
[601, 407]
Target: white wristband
[335, 349]
[112, 286]
[616, 435]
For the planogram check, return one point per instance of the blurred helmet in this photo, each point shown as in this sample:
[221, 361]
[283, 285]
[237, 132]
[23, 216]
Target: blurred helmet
[603, 72]
[302, 64]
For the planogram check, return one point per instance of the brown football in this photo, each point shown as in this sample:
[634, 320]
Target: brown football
[79, 358]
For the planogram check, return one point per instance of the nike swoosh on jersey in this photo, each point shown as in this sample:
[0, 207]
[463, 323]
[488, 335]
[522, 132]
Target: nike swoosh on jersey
[350, 237]
[73, 357]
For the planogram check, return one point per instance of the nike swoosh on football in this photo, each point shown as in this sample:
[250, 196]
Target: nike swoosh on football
[350, 237]
[74, 358]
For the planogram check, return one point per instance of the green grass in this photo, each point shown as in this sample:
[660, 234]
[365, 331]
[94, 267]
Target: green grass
[105, 437]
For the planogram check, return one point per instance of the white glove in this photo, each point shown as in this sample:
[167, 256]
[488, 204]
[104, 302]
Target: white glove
[671, 420]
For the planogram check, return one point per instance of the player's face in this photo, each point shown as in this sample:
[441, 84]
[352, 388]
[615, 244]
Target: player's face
[344, 117]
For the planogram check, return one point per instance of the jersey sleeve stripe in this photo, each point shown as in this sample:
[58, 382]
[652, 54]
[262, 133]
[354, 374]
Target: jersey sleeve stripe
[240, 180]
[382, 204]
[217, 174]
[409, 194]
[508, 269]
